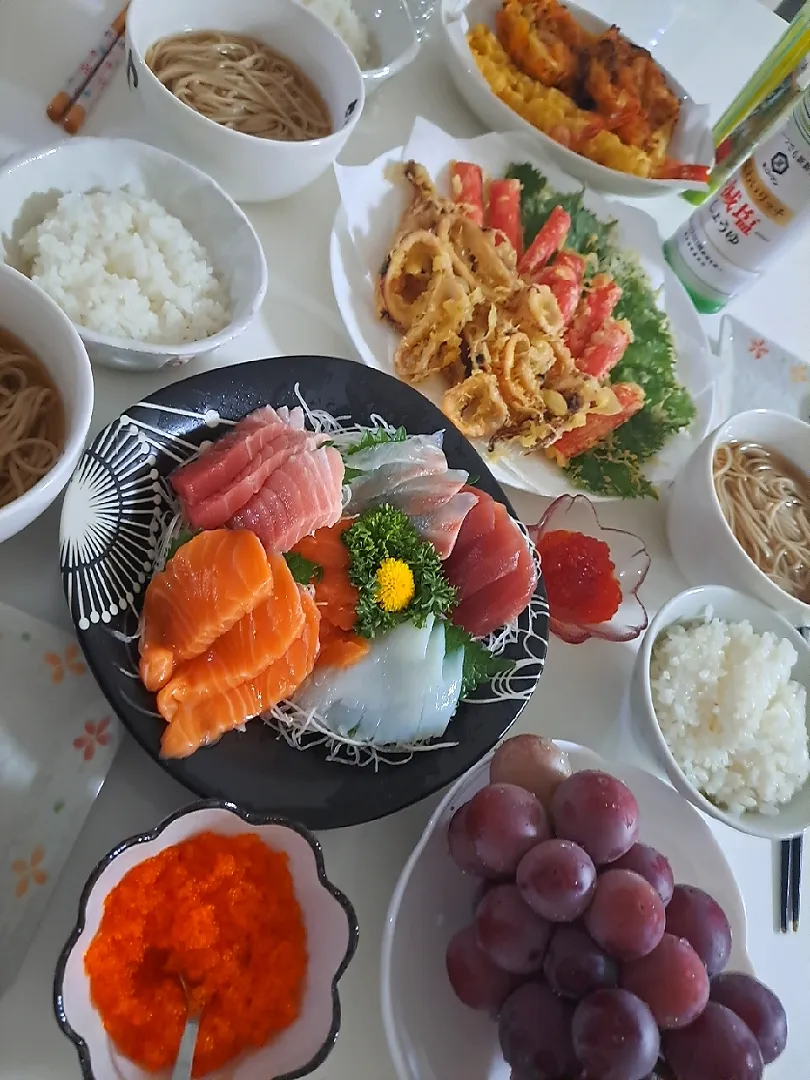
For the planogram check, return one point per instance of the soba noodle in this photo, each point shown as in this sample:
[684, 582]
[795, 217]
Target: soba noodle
[241, 83]
[32, 419]
[766, 502]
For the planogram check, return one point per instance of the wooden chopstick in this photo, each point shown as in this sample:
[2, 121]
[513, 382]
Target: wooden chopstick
[790, 872]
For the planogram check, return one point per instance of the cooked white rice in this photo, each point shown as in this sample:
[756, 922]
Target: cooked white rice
[732, 717]
[347, 24]
[122, 265]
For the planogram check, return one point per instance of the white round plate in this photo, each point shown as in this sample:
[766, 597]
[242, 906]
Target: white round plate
[691, 140]
[361, 237]
[431, 1035]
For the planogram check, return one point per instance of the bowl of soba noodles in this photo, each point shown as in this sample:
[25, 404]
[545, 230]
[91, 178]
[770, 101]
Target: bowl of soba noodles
[739, 512]
[260, 94]
[46, 401]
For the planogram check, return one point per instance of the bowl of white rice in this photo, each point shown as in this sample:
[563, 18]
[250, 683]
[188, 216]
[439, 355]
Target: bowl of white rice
[149, 258]
[720, 692]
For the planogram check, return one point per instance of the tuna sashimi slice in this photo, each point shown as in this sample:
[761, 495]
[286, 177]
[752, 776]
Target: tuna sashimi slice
[499, 602]
[478, 522]
[301, 496]
[217, 509]
[211, 717]
[492, 557]
[251, 645]
[208, 585]
[226, 458]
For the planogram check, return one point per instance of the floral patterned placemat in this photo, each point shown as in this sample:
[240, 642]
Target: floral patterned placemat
[759, 374]
[58, 739]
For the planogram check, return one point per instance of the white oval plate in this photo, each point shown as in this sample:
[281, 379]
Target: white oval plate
[691, 140]
[361, 237]
[431, 1035]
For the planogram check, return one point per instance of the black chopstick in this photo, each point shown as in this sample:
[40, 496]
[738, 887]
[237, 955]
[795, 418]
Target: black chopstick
[790, 871]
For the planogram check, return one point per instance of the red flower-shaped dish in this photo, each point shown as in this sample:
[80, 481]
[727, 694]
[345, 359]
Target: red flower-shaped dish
[630, 558]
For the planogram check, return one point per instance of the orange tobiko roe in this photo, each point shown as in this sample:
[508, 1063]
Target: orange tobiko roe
[221, 912]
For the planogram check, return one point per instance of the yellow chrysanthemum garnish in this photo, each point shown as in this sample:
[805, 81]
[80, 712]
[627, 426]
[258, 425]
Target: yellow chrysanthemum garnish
[395, 585]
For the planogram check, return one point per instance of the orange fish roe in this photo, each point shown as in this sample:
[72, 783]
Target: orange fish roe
[221, 912]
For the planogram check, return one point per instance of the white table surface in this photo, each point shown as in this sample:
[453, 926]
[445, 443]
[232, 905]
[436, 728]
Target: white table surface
[580, 694]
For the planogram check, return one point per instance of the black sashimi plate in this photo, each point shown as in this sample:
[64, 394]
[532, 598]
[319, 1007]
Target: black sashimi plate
[116, 507]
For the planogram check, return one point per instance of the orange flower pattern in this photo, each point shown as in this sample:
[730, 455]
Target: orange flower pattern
[800, 373]
[94, 735]
[29, 873]
[60, 665]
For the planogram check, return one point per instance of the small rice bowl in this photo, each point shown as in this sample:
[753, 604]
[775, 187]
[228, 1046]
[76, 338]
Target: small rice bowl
[730, 714]
[121, 265]
[341, 17]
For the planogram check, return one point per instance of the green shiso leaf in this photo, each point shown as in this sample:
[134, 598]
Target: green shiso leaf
[304, 571]
[480, 665]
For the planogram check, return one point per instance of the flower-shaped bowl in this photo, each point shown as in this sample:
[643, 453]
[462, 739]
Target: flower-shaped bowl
[331, 926]
[631, 561]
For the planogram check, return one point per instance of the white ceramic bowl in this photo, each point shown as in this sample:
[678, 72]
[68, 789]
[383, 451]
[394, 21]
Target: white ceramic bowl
[33, 317]
[250, 169]
[794, 817]
[431, 1035]
[692, 138]
[703, 546]
[394, 43]
[31, 184]
[331, 926]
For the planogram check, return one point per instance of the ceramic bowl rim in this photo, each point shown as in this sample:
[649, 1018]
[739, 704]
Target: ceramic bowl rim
[451, 10]
[713, 440]
[182, 349]
[47, 488]
[238, 139]
[249, 818]
[658, 624]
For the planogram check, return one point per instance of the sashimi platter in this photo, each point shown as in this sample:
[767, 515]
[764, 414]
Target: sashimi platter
[298, 586]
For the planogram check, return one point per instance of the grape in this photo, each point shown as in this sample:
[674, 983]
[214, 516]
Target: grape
[758, 1007]
[671, 980]
[461, 850]
[598, 812]
[557, 880]
[502, 822]
[653, 867]
[481, 891]
[626, 916]
[534, 1028]
[575, 964]
[615, 1036]
[696, 916]
[509, 932]
[476, 981]
[535, 764]
[717, 1046]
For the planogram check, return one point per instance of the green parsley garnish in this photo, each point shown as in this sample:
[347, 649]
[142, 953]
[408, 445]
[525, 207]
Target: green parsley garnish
[614, 467]
[304, 571]
[388, 533]
[480, 665]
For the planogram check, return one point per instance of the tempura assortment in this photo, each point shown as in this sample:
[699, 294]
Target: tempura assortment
[523, 341]
[597, 94]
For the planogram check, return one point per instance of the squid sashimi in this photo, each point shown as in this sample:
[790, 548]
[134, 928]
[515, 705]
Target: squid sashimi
[302, 495]
[491, 567]
[404, 691]
[225, 459]
[257, 640]
[215, 510]
[206, 587]
[206, 721]
[413, 476]
[335, 596]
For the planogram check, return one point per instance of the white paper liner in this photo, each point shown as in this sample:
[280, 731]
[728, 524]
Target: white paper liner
[371, 207]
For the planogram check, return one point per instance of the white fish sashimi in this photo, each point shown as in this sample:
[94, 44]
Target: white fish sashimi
[403, 691]
[441, 525]
[415, 450]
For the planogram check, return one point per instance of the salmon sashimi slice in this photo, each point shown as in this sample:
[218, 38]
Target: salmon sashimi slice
[499, 602]
[227, 457]
[206, 587]
[251, 645]
[213, 512]
[335, 596]
[303, 495]
[210, 718]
